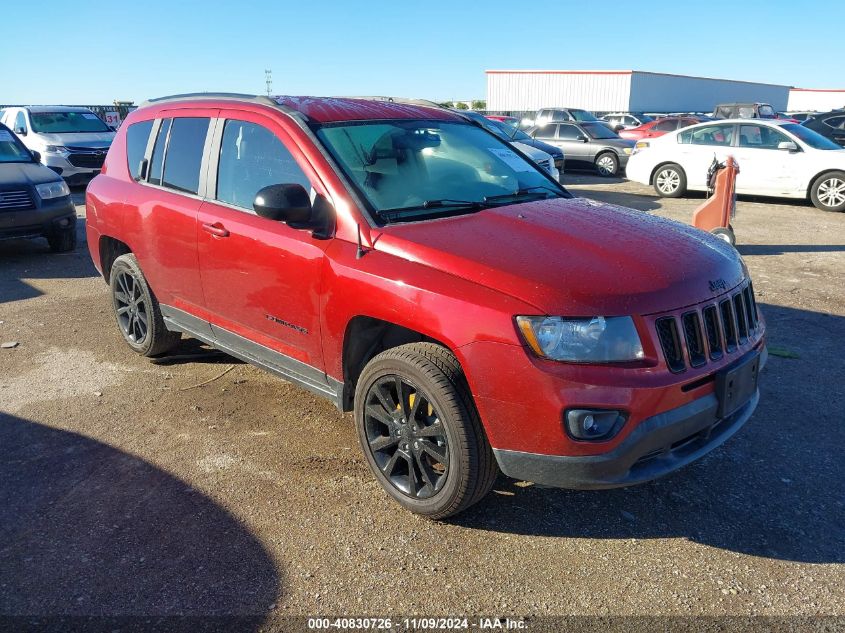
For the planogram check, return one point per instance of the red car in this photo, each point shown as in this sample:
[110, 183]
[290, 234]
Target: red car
[510, 120]
[658, 127]
[409, 266]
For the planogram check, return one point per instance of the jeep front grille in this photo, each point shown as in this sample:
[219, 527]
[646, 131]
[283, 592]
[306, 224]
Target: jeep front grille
[709, 331]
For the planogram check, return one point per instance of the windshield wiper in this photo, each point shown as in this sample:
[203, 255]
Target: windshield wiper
[524, 191]
[429, 205]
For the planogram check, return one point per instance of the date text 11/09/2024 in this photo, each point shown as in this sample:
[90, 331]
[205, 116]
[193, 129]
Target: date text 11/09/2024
[417, 624]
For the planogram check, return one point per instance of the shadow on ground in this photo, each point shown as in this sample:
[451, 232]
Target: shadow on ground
[86, 529]
[780, 249]
[32, 259]
[776, 489]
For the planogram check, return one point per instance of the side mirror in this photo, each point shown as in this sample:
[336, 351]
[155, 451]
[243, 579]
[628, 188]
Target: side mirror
[20, 131]
[36, 156]
[616, 128]
[581, 138]
[789, 146]
[288, 203]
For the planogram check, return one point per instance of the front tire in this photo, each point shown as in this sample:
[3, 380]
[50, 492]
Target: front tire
[607, 164]
[420, 431]
[670, 181]
[726, 234]
[137, 311]
[828, 191]
[62, 241]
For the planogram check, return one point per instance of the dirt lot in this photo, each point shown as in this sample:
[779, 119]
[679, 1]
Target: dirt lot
[129, 489]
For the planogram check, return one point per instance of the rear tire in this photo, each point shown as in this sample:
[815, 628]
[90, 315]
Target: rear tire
[607, 164]
[137, 311]
[433, 459]
[670, 181]
[828, 191]
[63, 240]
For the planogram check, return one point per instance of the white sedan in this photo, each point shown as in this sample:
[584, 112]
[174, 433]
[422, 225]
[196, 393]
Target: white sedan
[775, 159]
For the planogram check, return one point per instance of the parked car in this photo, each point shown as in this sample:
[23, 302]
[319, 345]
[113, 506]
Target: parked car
[34, 201]
[775, 159]
[71, 141]
[510, 120]
[548, 160]
[831, 125]
[554, 115]
[587, 144]
[626, 120]
[412, 268]
[798, 116]
[658, 127]
[744, 111]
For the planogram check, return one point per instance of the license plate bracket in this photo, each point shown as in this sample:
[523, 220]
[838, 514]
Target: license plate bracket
[736, 384]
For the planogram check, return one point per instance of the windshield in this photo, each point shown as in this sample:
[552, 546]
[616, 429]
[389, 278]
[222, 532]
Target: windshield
[413, 169]
[599, 130]
[66, 122]
[582, 115]
[11, 149]
[766, 111]
[810, 137]
[644, 118]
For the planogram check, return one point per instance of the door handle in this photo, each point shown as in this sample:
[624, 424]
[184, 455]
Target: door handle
[216, 229]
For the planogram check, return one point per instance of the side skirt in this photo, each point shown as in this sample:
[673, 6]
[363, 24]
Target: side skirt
[285, 367]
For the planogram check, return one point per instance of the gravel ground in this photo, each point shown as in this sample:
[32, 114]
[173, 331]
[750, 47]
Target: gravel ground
[129, 490]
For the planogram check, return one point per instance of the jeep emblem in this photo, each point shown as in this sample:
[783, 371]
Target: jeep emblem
[718, 284]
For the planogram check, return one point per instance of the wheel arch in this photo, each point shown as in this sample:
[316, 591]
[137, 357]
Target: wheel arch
[110, 249]
[821, 173]
[366, 337]
[663, 164]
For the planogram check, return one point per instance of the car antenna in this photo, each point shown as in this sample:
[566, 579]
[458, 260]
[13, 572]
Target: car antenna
[360, 253]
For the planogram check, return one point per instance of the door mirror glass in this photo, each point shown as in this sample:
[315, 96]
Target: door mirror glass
[581, 138]
[288, 203]
[789, 146]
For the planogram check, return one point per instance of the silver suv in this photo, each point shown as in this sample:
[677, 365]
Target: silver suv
[72, 141]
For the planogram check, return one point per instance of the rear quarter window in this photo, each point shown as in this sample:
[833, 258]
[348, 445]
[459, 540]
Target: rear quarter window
[137, 136]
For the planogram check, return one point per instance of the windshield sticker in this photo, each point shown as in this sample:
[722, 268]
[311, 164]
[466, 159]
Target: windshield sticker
[5, 137]
[509, 158]
[87, 115]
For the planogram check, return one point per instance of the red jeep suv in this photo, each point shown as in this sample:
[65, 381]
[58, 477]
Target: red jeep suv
[408, 265]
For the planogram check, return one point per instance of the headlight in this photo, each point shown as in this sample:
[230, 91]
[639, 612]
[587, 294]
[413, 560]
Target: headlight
[592, 340]
[628, 150]
[55, 149]
[52, 190]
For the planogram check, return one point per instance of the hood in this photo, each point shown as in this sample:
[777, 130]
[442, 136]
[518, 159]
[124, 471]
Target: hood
[533, 152]
[81, 139]
[574, 257]
[14, 175]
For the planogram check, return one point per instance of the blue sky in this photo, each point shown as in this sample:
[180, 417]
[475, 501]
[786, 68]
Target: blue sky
[437, 50]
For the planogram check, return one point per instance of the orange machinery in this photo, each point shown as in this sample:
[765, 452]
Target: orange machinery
[716, 213]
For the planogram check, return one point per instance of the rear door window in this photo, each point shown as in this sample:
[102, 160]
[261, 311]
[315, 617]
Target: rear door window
[137, 136]
[251, 158]
[20, 123]
[184, 154]
[158, 152]
[546, 131]
[708, 135]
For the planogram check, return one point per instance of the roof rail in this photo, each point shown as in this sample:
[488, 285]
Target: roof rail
[213, 95]
[401, 100]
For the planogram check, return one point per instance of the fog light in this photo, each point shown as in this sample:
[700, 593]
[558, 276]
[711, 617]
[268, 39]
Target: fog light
[64, 222]
[593, 424]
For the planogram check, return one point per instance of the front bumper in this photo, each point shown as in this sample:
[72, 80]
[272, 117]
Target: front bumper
[73, 174]
[44, 220]
[658, 446]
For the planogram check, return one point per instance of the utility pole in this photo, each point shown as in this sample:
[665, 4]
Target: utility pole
[268, 80]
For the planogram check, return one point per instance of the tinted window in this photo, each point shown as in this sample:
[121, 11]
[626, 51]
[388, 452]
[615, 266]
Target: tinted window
[836, 122]
[20, 122]
[582, 115]
[569, 132]
[11, 149]
[545, 131]
[760, 137]
[158, 152]
[666, 126]
[184, 154]
[251, 158]
[708, 135]
[136, 144]
[599, 130]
